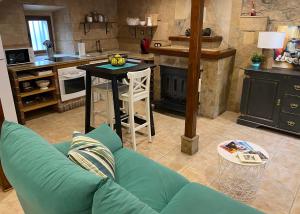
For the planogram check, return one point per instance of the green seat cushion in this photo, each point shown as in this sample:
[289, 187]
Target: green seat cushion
[45, 180]
[92, 155]
[152, 183]
[113, 199]
[197, 199]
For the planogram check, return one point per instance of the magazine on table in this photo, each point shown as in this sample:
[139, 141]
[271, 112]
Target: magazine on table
[242, 147]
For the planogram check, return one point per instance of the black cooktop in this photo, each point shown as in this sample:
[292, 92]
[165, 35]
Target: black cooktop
[62, 59]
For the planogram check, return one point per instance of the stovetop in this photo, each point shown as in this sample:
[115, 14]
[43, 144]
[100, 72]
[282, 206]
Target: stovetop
[62, 59]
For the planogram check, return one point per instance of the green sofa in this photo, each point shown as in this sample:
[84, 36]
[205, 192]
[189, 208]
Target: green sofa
[47, 182]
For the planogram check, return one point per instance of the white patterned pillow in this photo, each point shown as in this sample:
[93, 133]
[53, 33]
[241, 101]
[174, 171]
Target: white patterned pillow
[92, 155]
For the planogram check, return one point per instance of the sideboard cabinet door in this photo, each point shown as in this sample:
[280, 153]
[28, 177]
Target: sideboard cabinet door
[261, 100]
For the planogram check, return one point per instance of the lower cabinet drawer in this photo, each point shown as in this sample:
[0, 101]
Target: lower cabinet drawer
[293, 86]
[291, 104]
[289, 122]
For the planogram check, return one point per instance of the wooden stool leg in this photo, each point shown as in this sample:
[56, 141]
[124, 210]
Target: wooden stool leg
[3, 180]
[148, 118]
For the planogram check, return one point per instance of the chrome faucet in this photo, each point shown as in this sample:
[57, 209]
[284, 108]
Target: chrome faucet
[98, 46]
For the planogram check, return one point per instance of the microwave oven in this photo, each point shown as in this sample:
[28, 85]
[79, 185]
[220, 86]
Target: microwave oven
[19, 56]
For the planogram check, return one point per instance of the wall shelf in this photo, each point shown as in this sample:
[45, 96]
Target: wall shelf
[142, 29]
[32, 77]
[36, 91]
[87, 26]
[43, 104]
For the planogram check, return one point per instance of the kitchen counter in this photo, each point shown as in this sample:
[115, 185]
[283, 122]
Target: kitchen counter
[42, 62]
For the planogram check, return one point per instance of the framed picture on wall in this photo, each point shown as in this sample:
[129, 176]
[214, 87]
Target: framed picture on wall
[289, 55]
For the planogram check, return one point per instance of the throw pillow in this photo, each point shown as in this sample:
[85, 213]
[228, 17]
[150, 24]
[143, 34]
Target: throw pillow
[92, 155]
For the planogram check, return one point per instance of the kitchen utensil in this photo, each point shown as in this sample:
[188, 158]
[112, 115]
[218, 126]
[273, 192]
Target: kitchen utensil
[149, 21]
[43, 84]
[206, 32]
[95, 16]
[142, 23]
[188, 32]
[81, 48]
[133, 21]
[101, 18]
[145, 46]
[89, 18]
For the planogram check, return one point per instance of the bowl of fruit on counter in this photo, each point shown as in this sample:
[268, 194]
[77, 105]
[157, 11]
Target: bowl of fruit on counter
[117, 59]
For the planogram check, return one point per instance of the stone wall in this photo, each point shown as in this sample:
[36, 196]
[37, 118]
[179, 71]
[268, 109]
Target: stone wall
[174, 19]
[66, 22]
[244, 34]
[279, 12]
[12, 24]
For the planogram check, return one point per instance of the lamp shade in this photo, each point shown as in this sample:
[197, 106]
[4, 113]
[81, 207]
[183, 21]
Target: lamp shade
[271, 40]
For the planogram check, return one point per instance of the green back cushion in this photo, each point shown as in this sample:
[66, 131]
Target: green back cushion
[151, 182]
[194, 199]
[92, 155]
[103, 133]
[113, 199]
[45, 180]
[107, 136]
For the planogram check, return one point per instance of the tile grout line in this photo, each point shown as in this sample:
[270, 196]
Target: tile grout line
[293, 202]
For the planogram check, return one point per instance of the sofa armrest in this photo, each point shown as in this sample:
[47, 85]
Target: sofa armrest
[112, 198]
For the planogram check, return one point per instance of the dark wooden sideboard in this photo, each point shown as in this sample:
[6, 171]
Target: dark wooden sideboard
[271, 98]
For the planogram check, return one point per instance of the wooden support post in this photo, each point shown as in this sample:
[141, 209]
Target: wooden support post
[189, 142]
[3, 180]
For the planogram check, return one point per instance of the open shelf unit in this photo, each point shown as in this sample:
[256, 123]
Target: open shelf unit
[87, 26]
[35, 97]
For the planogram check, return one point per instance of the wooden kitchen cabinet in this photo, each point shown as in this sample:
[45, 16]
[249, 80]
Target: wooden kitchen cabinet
[271, 98]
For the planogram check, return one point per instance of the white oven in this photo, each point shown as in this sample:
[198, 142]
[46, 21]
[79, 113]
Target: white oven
[71, 83]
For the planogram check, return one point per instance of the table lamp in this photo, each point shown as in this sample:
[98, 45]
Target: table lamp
[269, 41]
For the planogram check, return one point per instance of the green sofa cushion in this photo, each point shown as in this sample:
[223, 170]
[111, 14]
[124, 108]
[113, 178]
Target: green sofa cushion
[152, 183]
[107, 136]
[198, 199]
[45, 180]
[63, 147]
[113, 199]
[103, 133]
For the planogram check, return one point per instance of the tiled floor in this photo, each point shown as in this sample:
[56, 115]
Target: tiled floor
[279, 192]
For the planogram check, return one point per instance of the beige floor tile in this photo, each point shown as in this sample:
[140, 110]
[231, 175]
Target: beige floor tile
[296, 205]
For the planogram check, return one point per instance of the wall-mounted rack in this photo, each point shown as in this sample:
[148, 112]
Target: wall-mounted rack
[142, 29]
[87, 26]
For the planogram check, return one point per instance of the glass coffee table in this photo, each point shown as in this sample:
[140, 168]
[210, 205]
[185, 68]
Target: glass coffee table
[238, 179]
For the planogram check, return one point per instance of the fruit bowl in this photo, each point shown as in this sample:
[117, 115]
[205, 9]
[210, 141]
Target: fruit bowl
[43, 84]
[117, 60]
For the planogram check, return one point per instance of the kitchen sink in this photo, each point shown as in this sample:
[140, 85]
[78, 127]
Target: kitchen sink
[62, 58]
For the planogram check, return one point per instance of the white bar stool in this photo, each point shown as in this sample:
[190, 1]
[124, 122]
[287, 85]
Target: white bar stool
[139, 89]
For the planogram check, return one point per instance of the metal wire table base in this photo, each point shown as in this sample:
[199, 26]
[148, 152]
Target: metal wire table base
[240, 182]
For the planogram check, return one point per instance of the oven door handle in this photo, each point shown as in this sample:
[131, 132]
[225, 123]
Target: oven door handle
[72, 76]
